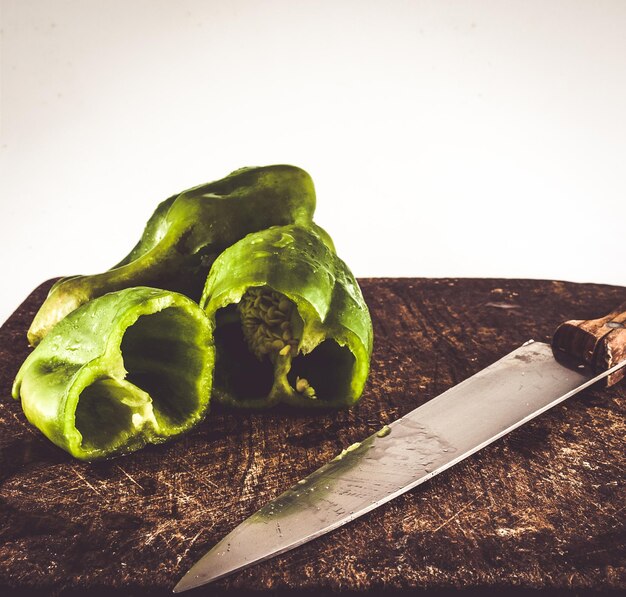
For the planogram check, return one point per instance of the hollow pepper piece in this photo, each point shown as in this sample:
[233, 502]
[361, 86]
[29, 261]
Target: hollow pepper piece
[128, 368]
[291, 323]
[186, 233]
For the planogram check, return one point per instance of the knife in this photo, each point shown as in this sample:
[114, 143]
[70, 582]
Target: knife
[425, 442]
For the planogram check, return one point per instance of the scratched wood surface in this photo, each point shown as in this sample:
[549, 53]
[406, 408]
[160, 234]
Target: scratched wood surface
[540, 510]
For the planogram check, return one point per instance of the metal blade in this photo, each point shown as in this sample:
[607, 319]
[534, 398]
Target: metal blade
[408, 452]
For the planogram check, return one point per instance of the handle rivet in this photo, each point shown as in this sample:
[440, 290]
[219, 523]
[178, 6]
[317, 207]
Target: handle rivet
[615, 324]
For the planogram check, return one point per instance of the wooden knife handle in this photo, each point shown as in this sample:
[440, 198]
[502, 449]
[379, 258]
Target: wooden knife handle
[598, 343]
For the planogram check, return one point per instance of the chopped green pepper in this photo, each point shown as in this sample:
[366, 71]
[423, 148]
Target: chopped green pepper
[128, 368]
[291, 323]
[186, 233]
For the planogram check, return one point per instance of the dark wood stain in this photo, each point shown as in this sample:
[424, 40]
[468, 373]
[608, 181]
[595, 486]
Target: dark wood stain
[540, 511]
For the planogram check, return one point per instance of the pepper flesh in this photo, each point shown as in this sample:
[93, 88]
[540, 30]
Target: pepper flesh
[291, 323]
[128, 368]
[186, 233]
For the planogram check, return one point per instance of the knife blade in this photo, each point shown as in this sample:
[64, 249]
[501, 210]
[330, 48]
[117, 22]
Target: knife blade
[423, 443]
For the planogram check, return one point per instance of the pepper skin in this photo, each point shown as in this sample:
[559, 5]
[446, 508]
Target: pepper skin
[128, 368]
[291, 323]
[186, 233]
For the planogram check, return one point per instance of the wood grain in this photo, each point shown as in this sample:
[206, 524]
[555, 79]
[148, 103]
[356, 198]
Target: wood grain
[540, 510]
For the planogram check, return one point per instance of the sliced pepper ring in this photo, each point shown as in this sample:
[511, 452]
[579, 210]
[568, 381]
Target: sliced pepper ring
[323, 359]
[128, 368]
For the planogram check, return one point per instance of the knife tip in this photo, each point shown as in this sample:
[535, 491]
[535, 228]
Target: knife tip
[185, 583]
[192, 580]
[177, 589]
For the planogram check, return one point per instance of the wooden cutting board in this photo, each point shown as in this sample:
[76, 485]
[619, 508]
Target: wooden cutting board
[543, 508]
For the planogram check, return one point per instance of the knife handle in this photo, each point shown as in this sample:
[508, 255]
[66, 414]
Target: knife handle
[598, 343]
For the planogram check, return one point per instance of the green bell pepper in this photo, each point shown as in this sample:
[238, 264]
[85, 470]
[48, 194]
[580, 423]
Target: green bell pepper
[128, 368]
[186, 233]
[291, 324]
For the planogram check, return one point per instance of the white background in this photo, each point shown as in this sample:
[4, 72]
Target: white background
[479, 139]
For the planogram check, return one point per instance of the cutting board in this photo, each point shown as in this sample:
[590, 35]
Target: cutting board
[543, 508]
